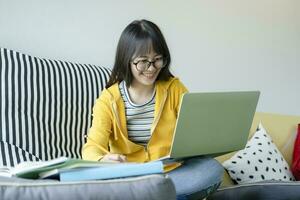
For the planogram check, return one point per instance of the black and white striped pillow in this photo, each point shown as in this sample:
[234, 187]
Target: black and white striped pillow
[45, 106]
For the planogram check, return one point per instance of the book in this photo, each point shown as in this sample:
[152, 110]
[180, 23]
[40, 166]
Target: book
[111, 171]
[33, 169]
[5, 171]
[29, 166]
[52, 172]
[67, 169]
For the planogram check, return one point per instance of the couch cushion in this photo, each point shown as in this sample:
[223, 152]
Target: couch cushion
[274, 190]
[45, 106]
[260, 160]
[143, 187]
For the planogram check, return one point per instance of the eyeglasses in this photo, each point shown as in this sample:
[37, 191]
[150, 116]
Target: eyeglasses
[143, 65]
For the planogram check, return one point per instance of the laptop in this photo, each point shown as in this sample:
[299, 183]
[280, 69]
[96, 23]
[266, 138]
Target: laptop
[212, 124]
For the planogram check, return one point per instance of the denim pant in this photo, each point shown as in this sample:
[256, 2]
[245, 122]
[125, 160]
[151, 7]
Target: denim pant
[197, 177]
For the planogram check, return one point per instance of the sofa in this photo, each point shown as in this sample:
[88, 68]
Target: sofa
[282, 129]
[46, 113]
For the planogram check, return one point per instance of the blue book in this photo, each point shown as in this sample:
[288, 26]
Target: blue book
[119, 170]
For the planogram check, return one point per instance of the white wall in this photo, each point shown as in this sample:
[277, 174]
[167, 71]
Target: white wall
[215, 45]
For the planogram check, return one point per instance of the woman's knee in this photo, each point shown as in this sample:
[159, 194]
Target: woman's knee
[212, 169]
[203, 174]
[217, 170]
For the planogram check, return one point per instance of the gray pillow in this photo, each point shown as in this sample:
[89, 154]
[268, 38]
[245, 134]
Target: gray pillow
[143, 187]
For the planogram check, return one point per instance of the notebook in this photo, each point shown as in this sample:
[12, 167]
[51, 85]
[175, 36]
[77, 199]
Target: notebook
[68, 169]
[119, 170]
[212, 124]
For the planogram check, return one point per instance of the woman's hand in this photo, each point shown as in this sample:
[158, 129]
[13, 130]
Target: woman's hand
[111, 157]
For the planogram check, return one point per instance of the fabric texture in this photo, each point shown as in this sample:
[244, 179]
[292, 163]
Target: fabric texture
[109, 129]
[296, 156]
[139, 118]
[259, 161]
[150, 187]
[197, 177]
[45, 106]
[267, 190]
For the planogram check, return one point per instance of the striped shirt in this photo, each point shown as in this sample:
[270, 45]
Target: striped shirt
[139, 117]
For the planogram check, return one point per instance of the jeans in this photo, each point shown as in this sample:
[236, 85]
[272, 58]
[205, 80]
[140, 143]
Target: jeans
[197, 177]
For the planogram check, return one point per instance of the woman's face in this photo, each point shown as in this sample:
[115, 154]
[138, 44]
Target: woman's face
[145, 68]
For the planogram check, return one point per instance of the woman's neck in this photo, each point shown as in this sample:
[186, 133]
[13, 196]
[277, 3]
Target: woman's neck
[140, 94]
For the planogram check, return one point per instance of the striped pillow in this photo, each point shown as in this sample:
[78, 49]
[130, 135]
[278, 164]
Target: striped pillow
[45, 106]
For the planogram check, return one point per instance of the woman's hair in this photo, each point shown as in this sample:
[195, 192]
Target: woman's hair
[139, 38]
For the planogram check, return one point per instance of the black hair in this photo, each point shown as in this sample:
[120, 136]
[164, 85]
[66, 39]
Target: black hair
[139, 38]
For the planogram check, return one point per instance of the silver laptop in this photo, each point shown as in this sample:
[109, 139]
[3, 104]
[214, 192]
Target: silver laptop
[213, 123]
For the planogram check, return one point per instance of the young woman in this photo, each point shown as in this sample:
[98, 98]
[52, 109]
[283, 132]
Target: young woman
[135, 116]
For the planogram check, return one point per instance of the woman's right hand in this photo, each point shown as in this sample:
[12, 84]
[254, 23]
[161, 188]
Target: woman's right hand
[112, 157]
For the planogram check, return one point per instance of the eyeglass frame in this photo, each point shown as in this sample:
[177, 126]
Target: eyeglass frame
[149, 64]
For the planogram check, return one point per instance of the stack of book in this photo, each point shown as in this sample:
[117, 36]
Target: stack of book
[66, 169]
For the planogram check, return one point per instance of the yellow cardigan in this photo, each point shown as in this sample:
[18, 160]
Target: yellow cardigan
[108, 132]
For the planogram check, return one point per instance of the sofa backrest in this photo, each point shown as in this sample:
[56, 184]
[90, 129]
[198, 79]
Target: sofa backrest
[45, 106]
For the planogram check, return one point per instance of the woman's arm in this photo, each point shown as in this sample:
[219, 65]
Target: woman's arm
[98, 137]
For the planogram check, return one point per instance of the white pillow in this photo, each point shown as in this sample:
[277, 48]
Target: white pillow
[259, 161]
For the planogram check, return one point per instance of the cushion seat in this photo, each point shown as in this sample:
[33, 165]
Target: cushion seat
[275, 190]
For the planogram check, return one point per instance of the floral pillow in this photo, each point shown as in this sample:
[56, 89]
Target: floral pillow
[259, 161]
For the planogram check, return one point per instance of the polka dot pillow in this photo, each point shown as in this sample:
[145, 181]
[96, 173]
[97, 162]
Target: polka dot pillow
[259, 161]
